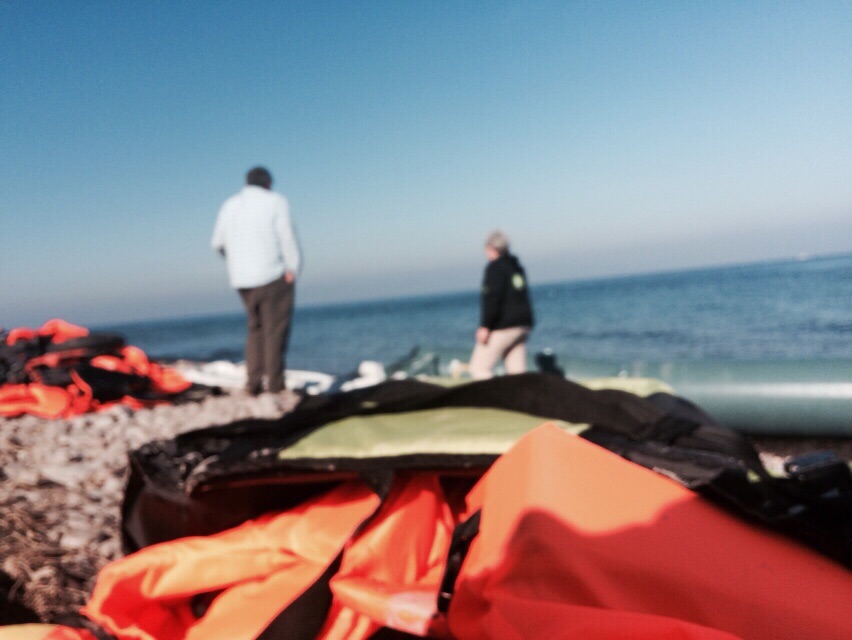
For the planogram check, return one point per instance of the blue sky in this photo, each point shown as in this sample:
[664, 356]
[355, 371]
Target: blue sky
[604, 137]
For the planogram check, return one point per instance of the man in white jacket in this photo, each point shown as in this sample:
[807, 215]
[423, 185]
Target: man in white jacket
[255, 235]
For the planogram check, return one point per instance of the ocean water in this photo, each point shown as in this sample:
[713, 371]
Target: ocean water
[776, 311]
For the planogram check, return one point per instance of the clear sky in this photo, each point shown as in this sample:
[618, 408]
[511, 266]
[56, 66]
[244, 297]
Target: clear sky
[604, 137]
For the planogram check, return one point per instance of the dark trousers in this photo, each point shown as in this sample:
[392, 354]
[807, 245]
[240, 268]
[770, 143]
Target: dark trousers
[269, 309]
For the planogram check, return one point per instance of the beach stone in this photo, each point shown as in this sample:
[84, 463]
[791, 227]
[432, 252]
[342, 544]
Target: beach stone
[101, 422]
[26, 477]
[43, 574]
[74, 540]
[59, 475]
[136, 436]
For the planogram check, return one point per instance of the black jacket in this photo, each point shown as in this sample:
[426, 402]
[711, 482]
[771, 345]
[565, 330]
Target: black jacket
[505, 295]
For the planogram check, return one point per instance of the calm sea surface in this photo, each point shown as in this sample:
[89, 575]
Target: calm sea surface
[793, 310]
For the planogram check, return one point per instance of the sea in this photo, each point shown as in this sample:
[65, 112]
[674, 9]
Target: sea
[790, 310]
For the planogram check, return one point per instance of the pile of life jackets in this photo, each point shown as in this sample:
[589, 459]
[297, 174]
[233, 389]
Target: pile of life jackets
[410, 510]
[62, 370]
[558, 539]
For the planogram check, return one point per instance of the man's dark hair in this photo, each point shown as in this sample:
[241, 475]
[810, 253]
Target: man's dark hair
[259, 177]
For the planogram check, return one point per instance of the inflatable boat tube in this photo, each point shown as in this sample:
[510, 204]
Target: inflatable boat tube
[808, 398]
[800, 398]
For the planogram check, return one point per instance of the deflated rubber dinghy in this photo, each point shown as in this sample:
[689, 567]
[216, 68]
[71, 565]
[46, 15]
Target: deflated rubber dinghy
[414, 510]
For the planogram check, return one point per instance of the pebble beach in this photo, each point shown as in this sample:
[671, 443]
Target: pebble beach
[61, 487]
[62, 484]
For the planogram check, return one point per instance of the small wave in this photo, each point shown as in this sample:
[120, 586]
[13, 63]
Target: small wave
[817, 326]
[616, 334]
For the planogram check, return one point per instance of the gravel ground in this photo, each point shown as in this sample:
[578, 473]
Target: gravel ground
[61, 486]
[62, 481]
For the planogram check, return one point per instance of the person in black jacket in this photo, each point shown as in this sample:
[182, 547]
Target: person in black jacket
[506, 313]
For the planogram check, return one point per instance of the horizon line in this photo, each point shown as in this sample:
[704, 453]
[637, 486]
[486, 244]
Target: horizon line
[802, 257]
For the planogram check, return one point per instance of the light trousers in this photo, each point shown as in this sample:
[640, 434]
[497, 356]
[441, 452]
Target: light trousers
[509, 344]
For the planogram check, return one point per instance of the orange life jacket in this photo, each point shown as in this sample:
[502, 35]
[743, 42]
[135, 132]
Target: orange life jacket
[43, 632]
[56, 330]
[241, 579]
[575, 542]
[35, 399]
